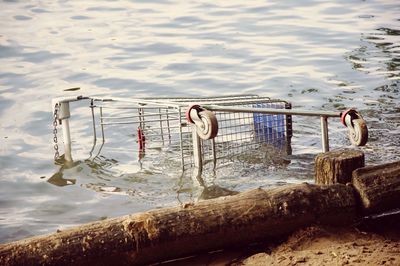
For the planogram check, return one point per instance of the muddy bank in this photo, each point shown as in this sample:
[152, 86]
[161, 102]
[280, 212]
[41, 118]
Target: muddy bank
[331, 246]
[372, 242]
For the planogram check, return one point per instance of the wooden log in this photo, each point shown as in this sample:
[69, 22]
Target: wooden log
[378, 187]
[337, 166]
[175, 232]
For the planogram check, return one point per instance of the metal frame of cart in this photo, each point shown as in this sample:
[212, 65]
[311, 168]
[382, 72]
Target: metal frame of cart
[198, 125]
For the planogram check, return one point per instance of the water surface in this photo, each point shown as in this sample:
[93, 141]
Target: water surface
[320, 55]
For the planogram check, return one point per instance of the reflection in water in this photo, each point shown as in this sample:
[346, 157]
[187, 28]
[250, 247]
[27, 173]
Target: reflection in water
[244, 164]
[58, 178]
[99, 168]
[215, 191]
[207, 191]
[104, 175]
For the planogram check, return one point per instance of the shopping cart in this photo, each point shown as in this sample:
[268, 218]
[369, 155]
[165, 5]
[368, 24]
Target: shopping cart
[201, 130]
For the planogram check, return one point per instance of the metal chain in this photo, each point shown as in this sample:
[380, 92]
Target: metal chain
[55, 140]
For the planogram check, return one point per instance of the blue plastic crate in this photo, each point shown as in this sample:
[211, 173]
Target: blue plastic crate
[270, 128]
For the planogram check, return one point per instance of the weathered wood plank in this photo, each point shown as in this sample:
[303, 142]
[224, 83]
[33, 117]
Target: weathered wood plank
[337, 166]
[174, 232]
[378, 187]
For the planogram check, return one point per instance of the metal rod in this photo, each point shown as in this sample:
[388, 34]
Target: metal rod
[101, 123]
[324, 133]
[197, 154]
[270, 111]
[141, 118]
[177, 99]
[161, 126]
[168, 128]
[94, 129]
[102, 134]
[181, 140]
[67, 140]
[128, 122]
[71, 99]
[136, 116]
[131, 107]
[64, 115]
[214, 153]
[182, 102]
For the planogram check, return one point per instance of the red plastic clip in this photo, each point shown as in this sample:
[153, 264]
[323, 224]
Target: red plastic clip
[343, 115]
[141, 139]
[194, 106]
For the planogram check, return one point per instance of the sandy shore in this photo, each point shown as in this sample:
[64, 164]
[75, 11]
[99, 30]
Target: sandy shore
[332, 246]
[374, 242]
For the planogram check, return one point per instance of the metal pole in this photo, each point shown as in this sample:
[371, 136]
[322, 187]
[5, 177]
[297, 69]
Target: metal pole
[198, 164]
[270, 111]
[161, 126]
[180, 138]
[324, 133]
[67, 140]
[214, 153]
[94, 129]
[64, 115]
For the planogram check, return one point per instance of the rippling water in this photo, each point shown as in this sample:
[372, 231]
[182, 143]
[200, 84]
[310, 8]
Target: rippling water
[320, 55]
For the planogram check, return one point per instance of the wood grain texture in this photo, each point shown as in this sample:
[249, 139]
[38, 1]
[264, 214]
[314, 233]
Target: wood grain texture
[180, 231]
[378, 187]
[337, 166]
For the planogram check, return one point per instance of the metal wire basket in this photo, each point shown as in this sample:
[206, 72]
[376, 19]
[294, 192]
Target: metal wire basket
[203, 131]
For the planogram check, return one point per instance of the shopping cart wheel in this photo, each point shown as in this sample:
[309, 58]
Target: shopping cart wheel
[356, 124]
[359, 133]
[209, 127]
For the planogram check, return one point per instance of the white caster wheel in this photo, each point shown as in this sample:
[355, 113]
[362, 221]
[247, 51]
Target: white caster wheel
[359, 133]
[208, 129]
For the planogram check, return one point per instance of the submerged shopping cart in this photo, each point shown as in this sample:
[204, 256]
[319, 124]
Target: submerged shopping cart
[201, 130]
